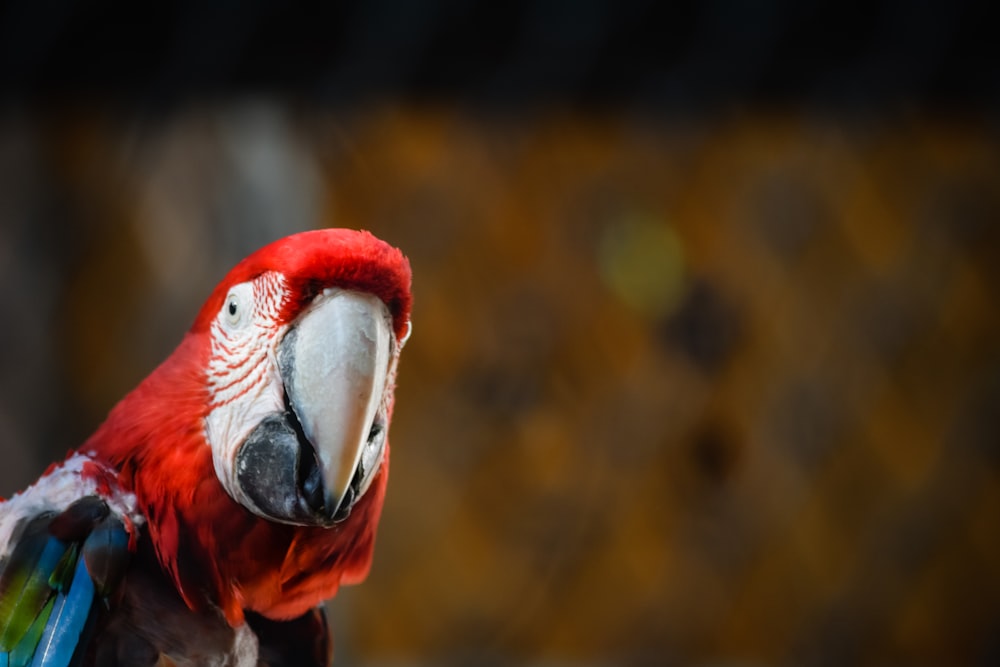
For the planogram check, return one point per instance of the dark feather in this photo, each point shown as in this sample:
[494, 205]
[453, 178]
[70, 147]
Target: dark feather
[300, 642]
[76, 522]
[106, 554]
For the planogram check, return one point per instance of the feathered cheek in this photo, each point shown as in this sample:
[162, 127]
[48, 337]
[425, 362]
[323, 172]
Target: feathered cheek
[250, 400]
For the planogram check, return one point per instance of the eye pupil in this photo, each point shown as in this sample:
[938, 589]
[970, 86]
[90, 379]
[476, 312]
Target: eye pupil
[232, 307]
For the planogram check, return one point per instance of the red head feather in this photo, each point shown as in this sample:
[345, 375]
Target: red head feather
[312, 261]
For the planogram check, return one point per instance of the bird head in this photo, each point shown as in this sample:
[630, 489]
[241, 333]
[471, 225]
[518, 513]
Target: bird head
[304, 337]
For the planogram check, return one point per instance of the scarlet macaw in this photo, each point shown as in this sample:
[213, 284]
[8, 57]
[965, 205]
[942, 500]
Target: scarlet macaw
[235, 489]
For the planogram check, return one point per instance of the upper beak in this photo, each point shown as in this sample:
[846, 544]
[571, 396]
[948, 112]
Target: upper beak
[311, 463]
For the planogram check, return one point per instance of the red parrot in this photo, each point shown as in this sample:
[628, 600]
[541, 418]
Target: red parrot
[235, 489]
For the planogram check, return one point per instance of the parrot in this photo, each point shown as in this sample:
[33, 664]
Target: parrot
[235, 489]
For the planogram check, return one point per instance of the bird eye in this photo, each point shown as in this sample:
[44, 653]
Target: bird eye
[233, 310]
[237, 310]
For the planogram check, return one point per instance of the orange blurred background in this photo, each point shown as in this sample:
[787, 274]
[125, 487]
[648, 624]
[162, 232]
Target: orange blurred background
[683, 388]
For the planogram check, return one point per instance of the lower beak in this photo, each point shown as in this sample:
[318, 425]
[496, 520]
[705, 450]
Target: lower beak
[309, 464]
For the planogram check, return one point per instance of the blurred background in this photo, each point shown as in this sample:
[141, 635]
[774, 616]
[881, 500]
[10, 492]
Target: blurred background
[705, 366]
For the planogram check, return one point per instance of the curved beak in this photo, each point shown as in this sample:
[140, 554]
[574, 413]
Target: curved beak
[310, 464]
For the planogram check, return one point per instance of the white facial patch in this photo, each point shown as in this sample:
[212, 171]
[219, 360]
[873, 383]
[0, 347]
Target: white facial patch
[242, 373]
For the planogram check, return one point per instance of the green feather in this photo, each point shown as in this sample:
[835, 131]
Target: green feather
[25, 649]
[15, 570]
[24, 580]
[62, 576]
[22, 605]
[24, 585]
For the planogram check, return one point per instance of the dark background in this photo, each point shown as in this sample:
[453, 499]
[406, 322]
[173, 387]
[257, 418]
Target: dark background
[705, 366]
[687, 57]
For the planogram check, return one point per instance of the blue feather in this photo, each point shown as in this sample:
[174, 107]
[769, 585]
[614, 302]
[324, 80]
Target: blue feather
[67, 622]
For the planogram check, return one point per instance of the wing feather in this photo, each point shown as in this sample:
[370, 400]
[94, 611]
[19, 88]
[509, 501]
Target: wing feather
[52, 580]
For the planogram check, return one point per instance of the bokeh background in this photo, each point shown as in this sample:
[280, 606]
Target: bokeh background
[705, 366]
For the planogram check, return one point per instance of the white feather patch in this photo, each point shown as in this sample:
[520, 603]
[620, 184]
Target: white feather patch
[56, 491]
[245, 647]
